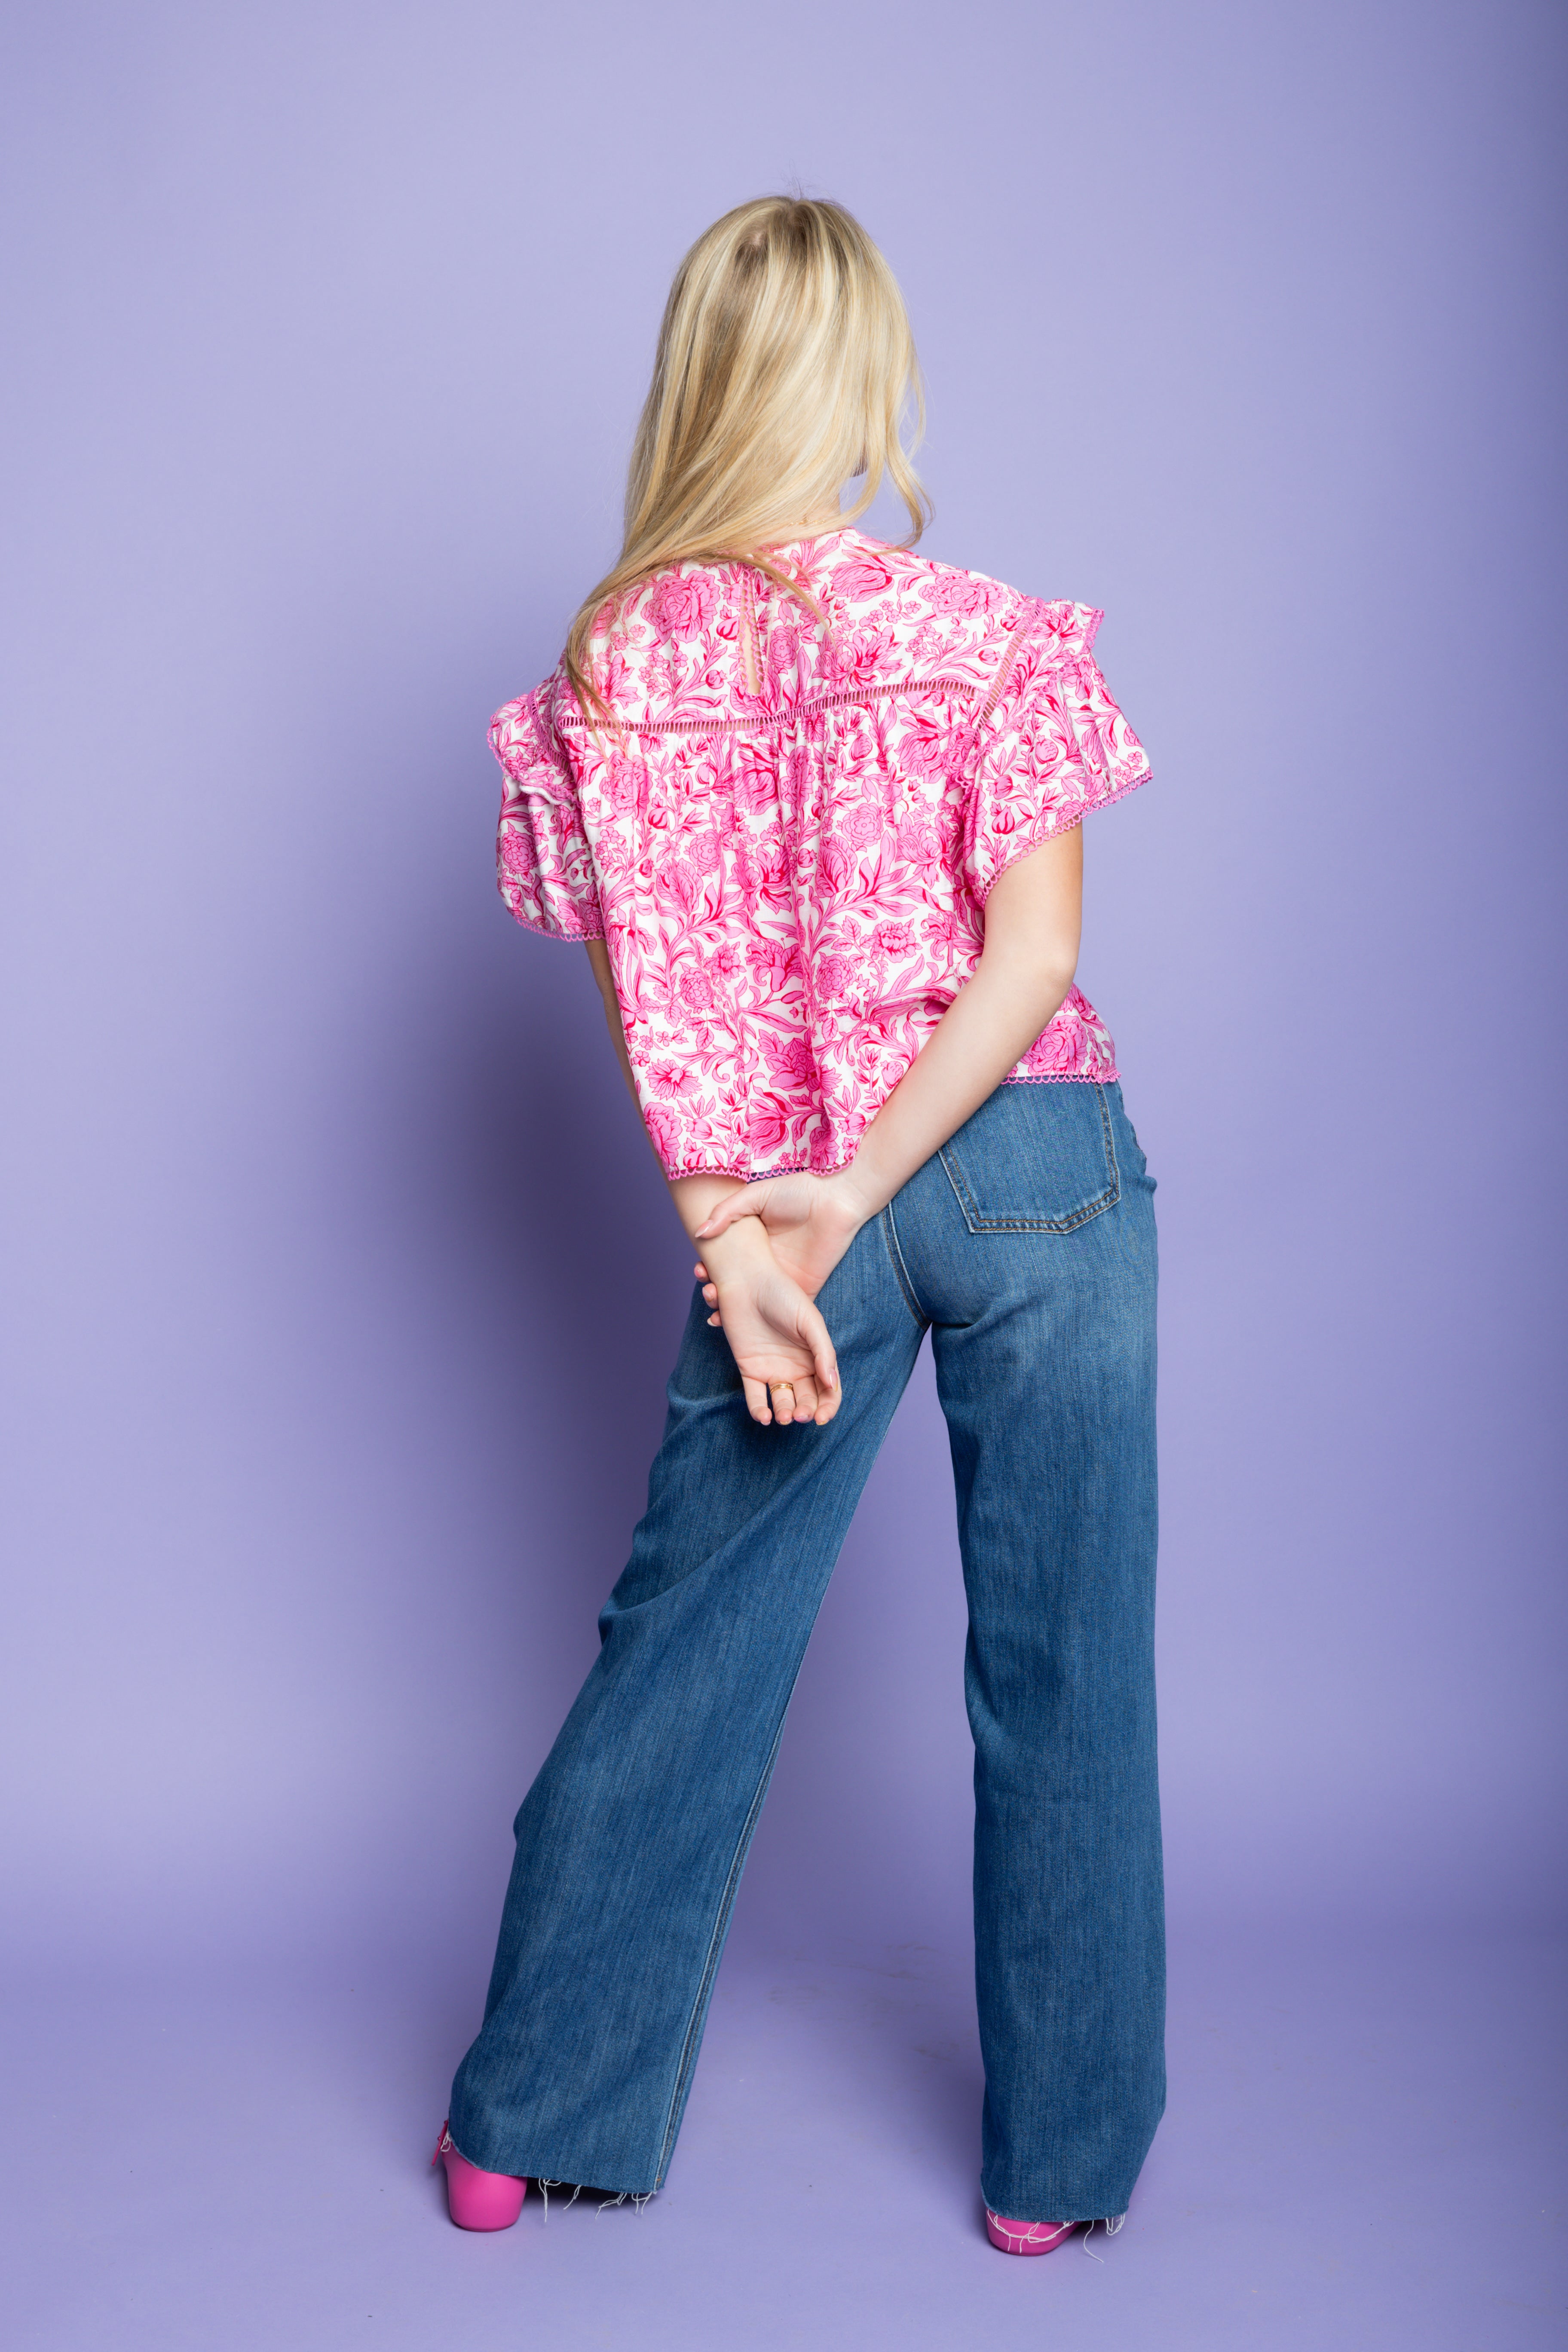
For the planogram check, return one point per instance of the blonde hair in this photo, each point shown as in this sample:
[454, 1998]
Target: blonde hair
[784, 365]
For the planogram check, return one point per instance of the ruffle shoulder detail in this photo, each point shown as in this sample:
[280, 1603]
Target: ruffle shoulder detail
[544, 865]
[1053, 744]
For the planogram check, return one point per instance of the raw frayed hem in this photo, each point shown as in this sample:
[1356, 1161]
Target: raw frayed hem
[1111, 2223]
[637, 2197]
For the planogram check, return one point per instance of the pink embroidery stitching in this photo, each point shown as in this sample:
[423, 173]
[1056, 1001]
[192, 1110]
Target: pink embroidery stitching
[789, 881]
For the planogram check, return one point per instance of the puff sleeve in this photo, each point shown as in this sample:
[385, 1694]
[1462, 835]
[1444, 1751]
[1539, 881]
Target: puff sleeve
[1053, 746]
[543, 861]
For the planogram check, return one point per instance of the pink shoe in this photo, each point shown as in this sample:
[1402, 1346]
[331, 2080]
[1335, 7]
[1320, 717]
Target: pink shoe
[476, 2199]
[1023, 2237]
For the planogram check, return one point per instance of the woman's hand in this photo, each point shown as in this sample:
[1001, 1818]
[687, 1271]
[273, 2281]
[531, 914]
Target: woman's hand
[780, 1343]
[810, 1220]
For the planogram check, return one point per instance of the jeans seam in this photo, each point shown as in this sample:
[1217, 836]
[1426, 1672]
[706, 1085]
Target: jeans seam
[683, 2072]
[905, 1280]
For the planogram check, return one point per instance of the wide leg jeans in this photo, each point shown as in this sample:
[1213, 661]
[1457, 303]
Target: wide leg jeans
[1026, 1247]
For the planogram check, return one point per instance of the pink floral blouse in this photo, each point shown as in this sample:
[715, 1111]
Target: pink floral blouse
[788, 837]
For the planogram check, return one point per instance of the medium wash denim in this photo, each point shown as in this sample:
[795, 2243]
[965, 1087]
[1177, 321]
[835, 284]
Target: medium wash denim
[1026, 1247]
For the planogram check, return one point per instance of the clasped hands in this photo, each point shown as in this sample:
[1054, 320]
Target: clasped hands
[767, 1249]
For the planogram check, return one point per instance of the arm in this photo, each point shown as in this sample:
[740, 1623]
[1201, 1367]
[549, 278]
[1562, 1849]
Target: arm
[1032, 923]
[780, 1342]
[599, 958]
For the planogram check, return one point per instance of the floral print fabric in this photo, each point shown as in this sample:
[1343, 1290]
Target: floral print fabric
[788, 834]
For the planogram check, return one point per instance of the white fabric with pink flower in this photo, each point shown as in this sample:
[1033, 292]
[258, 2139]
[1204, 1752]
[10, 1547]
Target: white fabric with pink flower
[787, 835]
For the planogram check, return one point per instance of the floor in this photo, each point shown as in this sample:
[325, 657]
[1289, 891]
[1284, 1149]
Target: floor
[1365, 2147]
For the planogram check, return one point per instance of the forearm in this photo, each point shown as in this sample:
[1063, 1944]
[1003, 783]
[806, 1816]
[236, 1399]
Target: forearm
[695, 1196]
[1033, 918]
[993, 1019]
[1026, 969]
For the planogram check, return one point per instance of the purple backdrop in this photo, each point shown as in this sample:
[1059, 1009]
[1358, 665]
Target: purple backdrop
[343, 1287]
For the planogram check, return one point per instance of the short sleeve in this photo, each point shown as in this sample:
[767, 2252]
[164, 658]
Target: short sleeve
[1053, 746]
[543, 862]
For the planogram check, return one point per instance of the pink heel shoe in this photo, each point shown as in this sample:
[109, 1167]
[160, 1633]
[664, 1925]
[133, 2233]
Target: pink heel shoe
[1022, 2237]
[476, 2199]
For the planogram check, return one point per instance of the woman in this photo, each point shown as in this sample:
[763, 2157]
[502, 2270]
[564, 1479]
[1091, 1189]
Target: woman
[811, 802]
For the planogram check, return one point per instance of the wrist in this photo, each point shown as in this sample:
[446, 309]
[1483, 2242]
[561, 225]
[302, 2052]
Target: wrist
[853, 1200]
[739, 1247]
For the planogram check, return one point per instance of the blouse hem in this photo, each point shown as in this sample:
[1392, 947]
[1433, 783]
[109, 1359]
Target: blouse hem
[800, 1168]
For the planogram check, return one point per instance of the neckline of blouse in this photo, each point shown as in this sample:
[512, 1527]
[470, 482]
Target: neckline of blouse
[816, 539]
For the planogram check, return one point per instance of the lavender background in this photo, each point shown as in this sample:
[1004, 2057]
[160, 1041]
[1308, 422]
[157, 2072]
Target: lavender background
[342, 1286]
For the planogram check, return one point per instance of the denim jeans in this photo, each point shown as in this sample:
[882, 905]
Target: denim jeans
[1026, 1248]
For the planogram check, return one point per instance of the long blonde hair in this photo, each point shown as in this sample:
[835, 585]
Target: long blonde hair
[784, 366]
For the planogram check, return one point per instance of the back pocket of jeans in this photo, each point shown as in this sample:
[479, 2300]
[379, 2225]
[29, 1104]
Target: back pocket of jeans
[1037, 1159]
